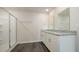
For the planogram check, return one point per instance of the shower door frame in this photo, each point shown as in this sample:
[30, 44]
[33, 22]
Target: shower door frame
[10, 30]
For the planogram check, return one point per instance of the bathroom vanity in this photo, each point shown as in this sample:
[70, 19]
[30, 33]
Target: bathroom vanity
[59, 41]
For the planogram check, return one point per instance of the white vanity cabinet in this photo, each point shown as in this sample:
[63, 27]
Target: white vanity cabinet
[50, 41]
[53, 42]
[59, 43]
[44, 38]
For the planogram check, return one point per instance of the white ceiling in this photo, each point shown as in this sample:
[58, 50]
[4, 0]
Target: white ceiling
[34, 9]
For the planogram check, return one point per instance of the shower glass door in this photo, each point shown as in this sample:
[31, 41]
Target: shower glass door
[12, 30]
[7, 30]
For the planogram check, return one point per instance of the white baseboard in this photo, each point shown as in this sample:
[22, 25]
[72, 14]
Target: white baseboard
[30, 42]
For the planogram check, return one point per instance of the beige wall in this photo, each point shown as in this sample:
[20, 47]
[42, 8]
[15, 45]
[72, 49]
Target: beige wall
[29, 25]
[74, 23]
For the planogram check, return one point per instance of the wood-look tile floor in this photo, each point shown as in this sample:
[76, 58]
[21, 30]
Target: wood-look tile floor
[30, 47]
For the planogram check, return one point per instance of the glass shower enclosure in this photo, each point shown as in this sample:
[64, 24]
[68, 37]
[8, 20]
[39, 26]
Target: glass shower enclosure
[7, 30]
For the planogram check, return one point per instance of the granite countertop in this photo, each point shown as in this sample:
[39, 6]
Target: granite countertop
[60, 32]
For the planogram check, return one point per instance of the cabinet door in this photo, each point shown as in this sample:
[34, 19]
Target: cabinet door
[53, 42]
[45, 38]
[12, 30]
[4, 30]
[67, 43]
[48, 41]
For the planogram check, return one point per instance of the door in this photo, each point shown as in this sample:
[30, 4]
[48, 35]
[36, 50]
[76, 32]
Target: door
[12, 30]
